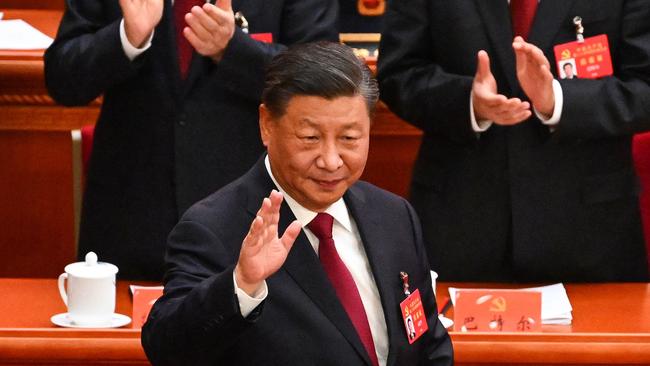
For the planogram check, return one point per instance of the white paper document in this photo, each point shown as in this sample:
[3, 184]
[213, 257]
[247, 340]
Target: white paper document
[556, 308]
[16, 34]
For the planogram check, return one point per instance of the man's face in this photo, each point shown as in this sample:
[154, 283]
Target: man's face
[318, 148]
[568, 70]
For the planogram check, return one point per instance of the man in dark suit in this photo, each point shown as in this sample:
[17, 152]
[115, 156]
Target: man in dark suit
[181, 85]
[328, 290]
[521, 176]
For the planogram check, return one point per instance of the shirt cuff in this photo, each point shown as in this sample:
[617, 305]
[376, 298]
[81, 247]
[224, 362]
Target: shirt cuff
[557, 109]
[247, 303]
[131, 51]
[477, 126]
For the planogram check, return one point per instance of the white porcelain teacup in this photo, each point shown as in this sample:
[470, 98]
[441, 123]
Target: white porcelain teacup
[90, 294]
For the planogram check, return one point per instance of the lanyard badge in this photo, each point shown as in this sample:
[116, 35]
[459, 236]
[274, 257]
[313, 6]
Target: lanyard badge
[585, 58]
[415, 320]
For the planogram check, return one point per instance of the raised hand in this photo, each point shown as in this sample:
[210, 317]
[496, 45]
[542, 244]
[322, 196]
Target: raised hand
[210, 28]
[263, 252]
[534, 74]
[140, 18]
[489, 105]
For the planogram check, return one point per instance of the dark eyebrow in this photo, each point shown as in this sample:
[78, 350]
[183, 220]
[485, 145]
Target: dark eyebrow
[310, 123]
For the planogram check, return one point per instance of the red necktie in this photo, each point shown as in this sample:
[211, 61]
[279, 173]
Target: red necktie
[182, 7]
[522, 13]
[344, 284]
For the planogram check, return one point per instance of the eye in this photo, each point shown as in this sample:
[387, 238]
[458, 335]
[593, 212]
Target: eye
[350, 138]
[309, 138]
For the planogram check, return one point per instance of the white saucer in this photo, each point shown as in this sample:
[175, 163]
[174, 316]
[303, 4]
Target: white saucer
[117, 320]
[446, 322]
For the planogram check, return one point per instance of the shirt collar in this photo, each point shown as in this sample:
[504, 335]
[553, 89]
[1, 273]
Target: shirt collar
[338, 209]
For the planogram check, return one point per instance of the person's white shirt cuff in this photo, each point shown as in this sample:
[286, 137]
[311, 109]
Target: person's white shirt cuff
[557, 109]
[130, 50]
[477, 126]
[247, 303]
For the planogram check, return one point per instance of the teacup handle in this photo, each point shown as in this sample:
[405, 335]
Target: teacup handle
[64, 295]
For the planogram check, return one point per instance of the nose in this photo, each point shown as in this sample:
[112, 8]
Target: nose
[329, 158]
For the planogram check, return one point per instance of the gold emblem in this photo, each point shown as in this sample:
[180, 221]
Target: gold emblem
[566, 54]
[498, 304]
[371, 7]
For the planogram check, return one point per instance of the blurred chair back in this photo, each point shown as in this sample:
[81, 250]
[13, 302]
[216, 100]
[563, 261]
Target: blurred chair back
[641, 154]
[37, 213]
[87, 134]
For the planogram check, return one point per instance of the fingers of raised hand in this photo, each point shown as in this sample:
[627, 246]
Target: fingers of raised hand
[270, 213]
[255, 234]
[290, 234]
[276, 202]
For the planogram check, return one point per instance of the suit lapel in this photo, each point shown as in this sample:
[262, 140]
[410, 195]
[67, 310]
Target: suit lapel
[386, 277]
[548, 22]
[303, 265]
[499, 32]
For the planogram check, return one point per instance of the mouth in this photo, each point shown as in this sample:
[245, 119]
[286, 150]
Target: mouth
[328, 184]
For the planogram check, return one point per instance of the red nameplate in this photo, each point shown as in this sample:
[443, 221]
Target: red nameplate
[587, 60]
[415, 321]
[484, 310]
[143, 299]
[262, 37]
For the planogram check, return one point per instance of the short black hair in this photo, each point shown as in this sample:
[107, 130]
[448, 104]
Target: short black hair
[323, 69]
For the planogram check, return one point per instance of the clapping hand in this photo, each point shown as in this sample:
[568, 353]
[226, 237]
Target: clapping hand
[489, 105]
[210, 28]
[534, 74]
[140, 18]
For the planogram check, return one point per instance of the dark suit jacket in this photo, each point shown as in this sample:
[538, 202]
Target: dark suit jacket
[522, 202]
[162, 144]
[301, 322]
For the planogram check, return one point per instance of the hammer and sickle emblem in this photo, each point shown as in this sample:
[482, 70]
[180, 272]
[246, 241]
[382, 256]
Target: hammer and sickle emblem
[498, 304]
[566, 54]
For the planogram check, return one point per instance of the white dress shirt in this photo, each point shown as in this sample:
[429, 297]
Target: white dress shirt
[130, 50]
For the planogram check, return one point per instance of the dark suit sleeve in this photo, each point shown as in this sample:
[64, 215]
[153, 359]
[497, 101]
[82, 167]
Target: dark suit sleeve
[438, 349]
[245, 59]
[87, 57]
[198, 318]
[618, 105]
[412, 84]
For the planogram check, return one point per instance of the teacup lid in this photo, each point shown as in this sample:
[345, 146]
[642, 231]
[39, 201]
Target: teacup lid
[91, 268]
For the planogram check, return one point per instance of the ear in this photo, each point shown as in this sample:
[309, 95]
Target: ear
[266, 124]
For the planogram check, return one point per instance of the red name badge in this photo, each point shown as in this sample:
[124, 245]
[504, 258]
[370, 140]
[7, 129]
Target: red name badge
[143, 299]
[415, 320]
[590, 59]
[262, 37]
[483, 310]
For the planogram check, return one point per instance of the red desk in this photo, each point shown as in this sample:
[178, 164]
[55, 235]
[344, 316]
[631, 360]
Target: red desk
[27, 337]
[611, 326]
